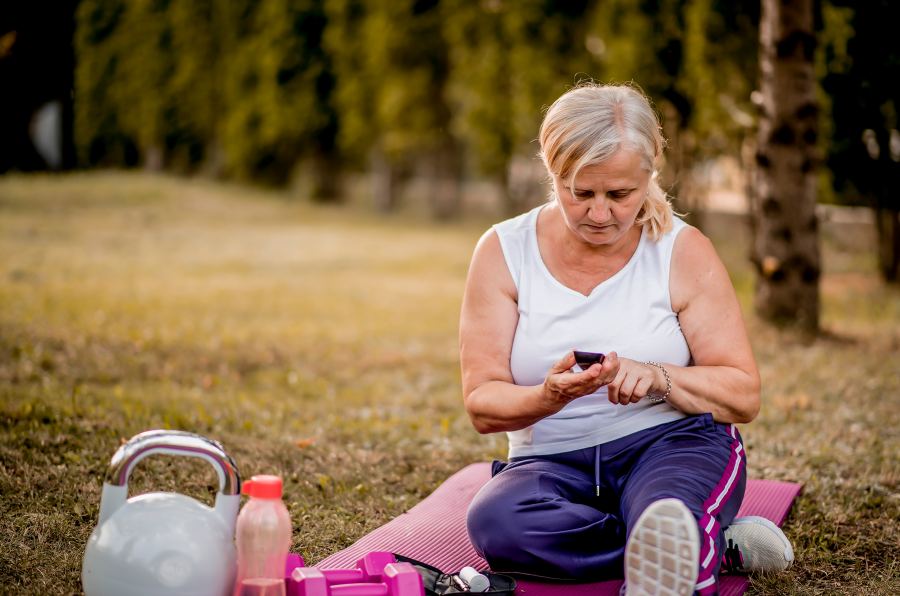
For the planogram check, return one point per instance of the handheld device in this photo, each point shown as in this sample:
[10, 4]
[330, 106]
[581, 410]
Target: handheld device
[586, 359]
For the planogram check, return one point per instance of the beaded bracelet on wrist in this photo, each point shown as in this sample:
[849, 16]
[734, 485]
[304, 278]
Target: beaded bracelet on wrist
[655, 397]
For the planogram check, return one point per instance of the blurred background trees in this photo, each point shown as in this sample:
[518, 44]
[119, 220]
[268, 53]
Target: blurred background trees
[324, 93]
[860, 71]
[444, 89]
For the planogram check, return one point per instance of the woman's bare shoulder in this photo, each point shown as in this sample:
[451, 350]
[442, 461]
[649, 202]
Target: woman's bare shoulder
[488, 268]
[696, 267]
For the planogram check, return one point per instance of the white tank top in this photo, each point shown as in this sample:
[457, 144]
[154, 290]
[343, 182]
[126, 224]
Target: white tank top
[629, 313]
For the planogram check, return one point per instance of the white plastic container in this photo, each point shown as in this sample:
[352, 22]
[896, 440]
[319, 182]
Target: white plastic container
[263, 539]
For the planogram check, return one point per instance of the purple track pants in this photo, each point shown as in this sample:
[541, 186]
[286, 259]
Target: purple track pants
[568, 515]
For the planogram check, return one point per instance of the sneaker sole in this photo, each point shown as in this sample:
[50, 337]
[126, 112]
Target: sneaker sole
[755, 519]
[662, 552]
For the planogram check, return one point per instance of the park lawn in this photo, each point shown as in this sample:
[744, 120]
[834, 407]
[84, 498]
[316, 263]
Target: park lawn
[320, 344]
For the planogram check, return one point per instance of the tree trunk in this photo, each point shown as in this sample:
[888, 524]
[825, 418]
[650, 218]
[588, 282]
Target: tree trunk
[153, 158]
[786, 245]
[446, 174]
[214, 160]
[384, 177]
[748, 165]
[884, 170]
[888, 222]
[325, 178]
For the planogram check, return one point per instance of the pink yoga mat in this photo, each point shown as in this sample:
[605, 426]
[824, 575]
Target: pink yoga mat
[434, 532]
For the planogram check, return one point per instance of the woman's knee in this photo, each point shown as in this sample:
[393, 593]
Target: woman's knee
[544, 538]
[491, 523]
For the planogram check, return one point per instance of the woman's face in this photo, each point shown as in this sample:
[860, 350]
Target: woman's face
[603, 203]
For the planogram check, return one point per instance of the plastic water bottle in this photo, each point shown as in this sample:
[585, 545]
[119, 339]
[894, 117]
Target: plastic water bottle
[263, 539]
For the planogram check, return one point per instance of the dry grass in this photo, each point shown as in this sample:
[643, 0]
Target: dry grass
[321, 345]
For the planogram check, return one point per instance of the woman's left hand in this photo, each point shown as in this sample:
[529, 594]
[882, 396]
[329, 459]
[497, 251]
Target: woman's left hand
[634, 381]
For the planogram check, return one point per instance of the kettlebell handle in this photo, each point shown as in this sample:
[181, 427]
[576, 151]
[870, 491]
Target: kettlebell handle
[173, 442]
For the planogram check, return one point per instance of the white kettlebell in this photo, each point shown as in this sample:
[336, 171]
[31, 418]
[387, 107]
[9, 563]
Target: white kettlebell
[163, 543]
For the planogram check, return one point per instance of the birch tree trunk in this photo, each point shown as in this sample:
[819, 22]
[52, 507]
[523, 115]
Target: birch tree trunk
[786, 246]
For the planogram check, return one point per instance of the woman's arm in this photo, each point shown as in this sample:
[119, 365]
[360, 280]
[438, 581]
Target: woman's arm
[724, 379]
[487, 326]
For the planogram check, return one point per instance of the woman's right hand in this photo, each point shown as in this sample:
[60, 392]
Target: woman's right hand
[562, 385]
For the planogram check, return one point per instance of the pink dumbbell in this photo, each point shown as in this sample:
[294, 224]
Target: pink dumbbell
[368, 569]
[398, 579]
[293, 561]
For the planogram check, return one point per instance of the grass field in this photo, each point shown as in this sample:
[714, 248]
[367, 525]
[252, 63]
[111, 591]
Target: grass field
[320, 344]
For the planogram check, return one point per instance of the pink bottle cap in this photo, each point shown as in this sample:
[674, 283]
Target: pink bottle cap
[263, 487]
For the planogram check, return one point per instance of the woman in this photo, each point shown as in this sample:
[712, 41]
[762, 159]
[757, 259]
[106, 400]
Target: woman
[635, 460]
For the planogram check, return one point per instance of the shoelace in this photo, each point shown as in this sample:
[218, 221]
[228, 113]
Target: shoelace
[732, 559]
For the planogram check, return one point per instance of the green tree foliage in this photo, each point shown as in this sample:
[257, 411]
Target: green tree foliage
[99, 134]
[390, 65]
[480, 82]
[509, 60]
[195, 83]
[243, 85]
[546, 57]
[251, 88]
[144, 85]
[619, 40]
[141, 92]
[342, 39]
[273, 87]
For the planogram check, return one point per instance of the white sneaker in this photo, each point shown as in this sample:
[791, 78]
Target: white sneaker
[662, 552]
[754, 543]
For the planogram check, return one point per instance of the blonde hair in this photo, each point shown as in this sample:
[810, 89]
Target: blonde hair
[590, 123]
